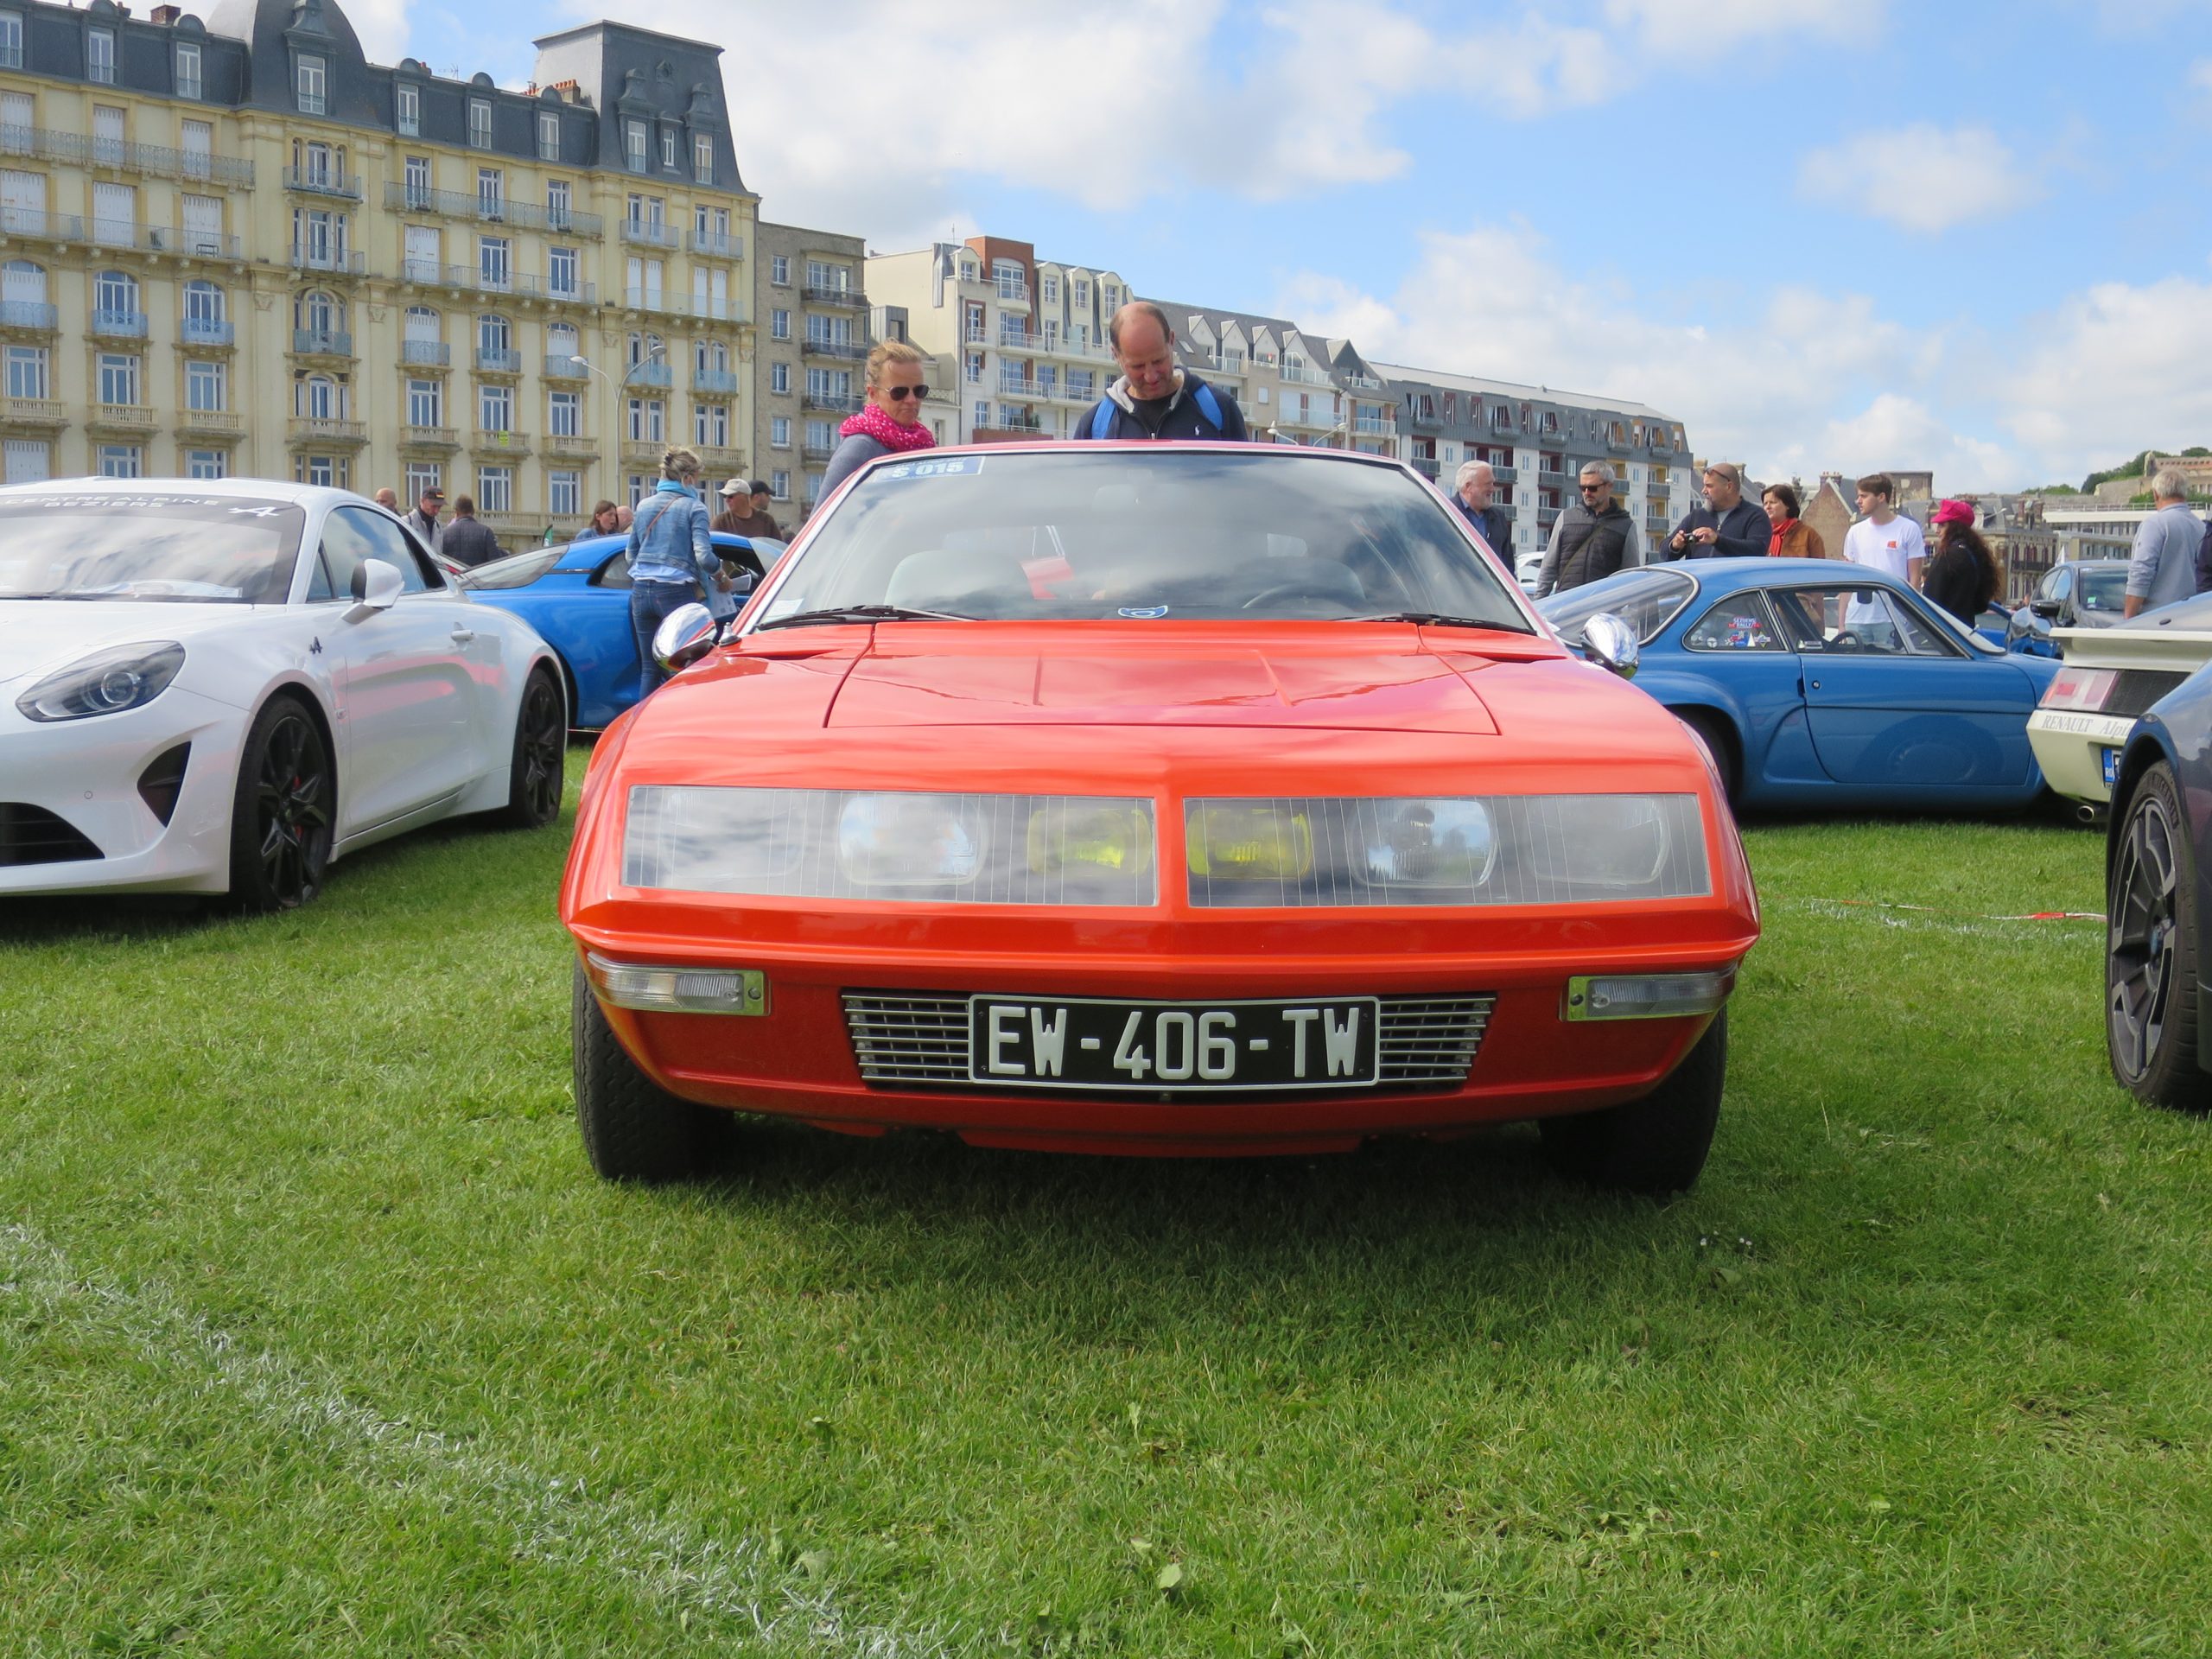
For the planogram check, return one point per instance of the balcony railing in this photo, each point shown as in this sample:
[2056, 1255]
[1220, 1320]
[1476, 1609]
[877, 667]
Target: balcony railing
[651, 233]
[1364, 382]
[322, 342]
[119, 417]
[831, 294]
[426, 354]
[497, 359]
[707, 310]
[430, 273]
[658, 377]
[1017, 340]
[1307, 375]
[1014, 293]
[162, 238]
[51, 144]
[33, 412]
[1014, 385]
[41, 225]
[486, 440]
[323, 182]
[817, 451]
[1504, 475]
[714, 380]
[119, 324]
[401, 197]
[848, 351]
[315, 429]
[835, 402]
[27, 314]
[206, 331]
[200, 423]
[976, 334]
[338, 265]
[564, 366]
[1016, 425]
[718, 244]
[412, 436]
[1374, 426]
[567, 446]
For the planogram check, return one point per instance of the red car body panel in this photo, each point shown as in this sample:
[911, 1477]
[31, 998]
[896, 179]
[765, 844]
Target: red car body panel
[1165, 709]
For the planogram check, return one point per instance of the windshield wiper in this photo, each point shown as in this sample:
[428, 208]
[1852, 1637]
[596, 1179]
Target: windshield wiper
[1433, 620]
[860, 613]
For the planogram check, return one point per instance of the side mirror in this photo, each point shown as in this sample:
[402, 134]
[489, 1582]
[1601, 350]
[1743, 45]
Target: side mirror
[377, 587]
[686, 634]
[1611, 643]
[2044, 607]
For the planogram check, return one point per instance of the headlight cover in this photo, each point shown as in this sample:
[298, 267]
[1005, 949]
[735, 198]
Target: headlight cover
[893, 845]
[1455, 850]
[106, 682]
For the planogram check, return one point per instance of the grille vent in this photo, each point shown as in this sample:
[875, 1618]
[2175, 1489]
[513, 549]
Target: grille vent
[31, 835]
[2135, 690]
[919, 1040]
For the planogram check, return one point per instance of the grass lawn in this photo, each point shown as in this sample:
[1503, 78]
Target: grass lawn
[317, 1335]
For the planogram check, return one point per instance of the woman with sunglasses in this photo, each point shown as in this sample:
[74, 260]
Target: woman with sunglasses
[891, 421]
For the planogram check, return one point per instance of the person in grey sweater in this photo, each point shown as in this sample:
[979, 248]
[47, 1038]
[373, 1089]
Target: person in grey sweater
[466, 541]
[2163, 567]
[892, 418]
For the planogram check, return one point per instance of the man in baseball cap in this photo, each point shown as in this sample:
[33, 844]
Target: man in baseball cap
[736, 494]
[424, 521]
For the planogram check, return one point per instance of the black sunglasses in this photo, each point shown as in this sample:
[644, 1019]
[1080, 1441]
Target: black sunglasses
[1592, 489]
[901, 394]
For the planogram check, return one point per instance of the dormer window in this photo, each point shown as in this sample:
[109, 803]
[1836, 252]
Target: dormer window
[549, 136]
[313, 87]
[410, 110]
[100, 56]
[11, 40]
[633, 145]
[668, 147]
[702, 160]
[480, 123]
[188, 69]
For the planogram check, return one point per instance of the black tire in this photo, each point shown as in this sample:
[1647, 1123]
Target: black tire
[633, 1129]
[1656, 1145]
[536, 776]
[1719, 740]
[2151, 950]
[282, 809]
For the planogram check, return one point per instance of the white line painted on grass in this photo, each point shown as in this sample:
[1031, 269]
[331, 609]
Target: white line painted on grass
[2039, 932]
[552, 1518]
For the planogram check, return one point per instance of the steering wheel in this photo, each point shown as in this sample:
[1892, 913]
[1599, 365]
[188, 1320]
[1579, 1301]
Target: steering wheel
[1286, 589]
[1848, 639]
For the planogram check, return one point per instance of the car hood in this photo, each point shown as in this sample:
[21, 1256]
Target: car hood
[39, 636]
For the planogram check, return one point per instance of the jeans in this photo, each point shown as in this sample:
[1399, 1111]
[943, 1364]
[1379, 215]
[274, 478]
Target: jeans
[650, 603]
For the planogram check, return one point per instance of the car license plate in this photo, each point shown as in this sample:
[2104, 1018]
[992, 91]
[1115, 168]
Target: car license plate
[2112, 766]
[1073, 1042]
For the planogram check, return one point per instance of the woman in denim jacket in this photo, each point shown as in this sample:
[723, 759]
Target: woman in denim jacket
[671, 561]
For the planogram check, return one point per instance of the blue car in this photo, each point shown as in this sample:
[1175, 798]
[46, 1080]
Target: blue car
[1818, 684]
[578, 597]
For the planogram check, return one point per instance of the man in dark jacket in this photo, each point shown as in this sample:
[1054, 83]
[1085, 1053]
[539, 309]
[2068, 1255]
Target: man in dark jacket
[1154, 398]
[1472, 488]
[1727, 526]
[1593, 538]
[466, 541]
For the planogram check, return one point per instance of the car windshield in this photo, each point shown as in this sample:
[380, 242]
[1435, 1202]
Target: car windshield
[1645, 599]
[190, 549]
[517, 570]
[2103, 591]
[1099, 533]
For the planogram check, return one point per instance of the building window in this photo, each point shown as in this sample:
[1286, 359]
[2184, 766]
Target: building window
[29, 461]
[100, 56]
[633, 145]
[122, 460]
[564, 494]
[419, 181]
[410, 110]
[480, 123]
[779, 377]
[710, 425]
[490, 192]
[495, 489]
[1051, 286]
[27, 371]
[426, 403]
[313, 87]
[207, 463]
[330, 471]
[821, 435]
[779, 431]
[494, 336]
[561, 273]
[648, 421]
[11, 57]
[549, 135]
[495, 409]
[118, 379]
[188, 69]
[779, 325]
[206, 386]
[780, 270]
[423, 476]
[668, 147]
[779, 486]
[702, 160]
[564, 414]
[493, 270]
[556, 203]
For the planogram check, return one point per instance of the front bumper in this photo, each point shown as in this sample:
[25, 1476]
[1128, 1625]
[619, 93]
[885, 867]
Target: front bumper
[2070, 747]
[85, 773]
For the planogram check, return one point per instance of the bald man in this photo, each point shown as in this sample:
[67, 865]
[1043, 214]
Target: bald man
[1155, 398]
[388, 498]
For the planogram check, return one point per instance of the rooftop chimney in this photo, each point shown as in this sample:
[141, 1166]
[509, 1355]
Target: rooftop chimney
[166, 15]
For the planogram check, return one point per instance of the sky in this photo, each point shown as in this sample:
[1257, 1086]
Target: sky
[1824, 234]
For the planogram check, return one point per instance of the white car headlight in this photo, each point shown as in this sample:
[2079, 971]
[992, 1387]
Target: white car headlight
[1499, 849]
[945, 848]
[106, 682]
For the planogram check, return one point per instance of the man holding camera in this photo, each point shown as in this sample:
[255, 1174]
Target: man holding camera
[1727, 526]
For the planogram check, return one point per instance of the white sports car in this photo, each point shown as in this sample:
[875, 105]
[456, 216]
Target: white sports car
[220, 687]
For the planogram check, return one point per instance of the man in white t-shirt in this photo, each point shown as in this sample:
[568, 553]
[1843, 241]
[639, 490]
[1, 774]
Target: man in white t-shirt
[1884, 540]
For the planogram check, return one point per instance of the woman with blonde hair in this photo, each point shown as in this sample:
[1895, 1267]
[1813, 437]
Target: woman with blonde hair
[891, 421]
[672, 560]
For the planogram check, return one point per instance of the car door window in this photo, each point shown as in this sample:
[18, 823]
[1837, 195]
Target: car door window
[344, 550]
[1914, 635]
[1838, 621]
[615, 573]
[378, 537]
[1739, 622]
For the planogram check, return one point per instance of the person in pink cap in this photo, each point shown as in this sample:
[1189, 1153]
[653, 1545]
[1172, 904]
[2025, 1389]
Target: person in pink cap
[1962, 575]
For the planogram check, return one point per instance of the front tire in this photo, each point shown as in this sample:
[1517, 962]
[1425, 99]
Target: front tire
[1657, 1145]
[282, 810]
[534, 776]
[2151, 952]
[1718, 739]
[633, 1129]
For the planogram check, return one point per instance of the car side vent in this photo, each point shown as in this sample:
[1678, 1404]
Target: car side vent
[31, 835]
[2134, 689]
[163, 780]
[919, 1038]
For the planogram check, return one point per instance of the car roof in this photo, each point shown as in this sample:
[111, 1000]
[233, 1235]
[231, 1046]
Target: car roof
[250, 489]
[586, 552]
[1277, 452]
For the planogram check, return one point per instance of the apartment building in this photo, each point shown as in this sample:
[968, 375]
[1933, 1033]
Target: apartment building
[1280, 377]
[236, 246]
[1537, 440]
[813, 336]
[1026, 337]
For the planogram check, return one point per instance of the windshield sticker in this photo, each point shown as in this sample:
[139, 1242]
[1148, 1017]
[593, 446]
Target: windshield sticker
[780, 607]
[1144, 610]
[942, 466]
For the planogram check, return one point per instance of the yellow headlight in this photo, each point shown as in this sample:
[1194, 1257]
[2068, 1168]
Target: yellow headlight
[1257, 841]
[1101, 834]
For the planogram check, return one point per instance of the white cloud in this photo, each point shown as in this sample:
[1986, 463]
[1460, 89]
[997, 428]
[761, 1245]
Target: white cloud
[1693, 28]
[382, 26]
[2111, 372]
[1922, 177]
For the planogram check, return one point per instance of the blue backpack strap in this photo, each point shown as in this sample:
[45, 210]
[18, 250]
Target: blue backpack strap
[1209, 406]
[1102, 418]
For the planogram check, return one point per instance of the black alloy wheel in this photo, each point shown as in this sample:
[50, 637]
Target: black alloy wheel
[537, 775]
[2151, 950]
[282, 815]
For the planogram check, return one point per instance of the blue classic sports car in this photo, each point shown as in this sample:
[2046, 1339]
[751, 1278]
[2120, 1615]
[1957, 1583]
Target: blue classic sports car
[1816, 683]
[578, 597]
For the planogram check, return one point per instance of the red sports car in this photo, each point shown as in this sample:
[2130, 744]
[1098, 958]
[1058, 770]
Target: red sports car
[1152, 799]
